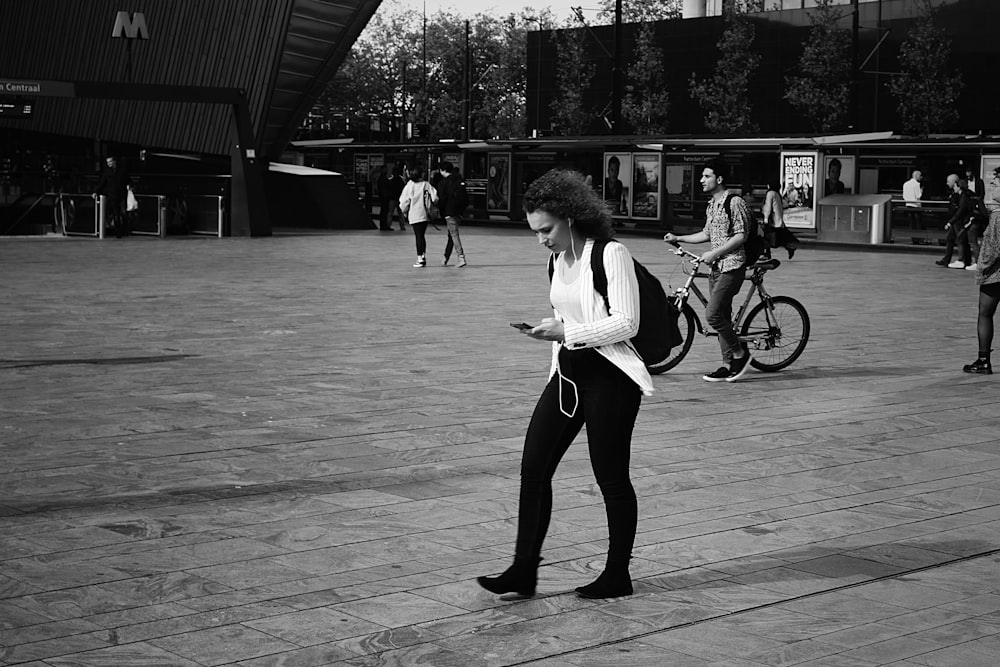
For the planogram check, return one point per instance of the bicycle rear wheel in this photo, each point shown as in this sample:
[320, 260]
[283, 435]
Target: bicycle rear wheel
[777, 335]
[685, 322]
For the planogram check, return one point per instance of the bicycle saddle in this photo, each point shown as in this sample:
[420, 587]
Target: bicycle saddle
[766, 264]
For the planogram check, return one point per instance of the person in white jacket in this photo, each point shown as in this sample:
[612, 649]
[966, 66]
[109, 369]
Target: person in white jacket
[596, 379]
[414, 202]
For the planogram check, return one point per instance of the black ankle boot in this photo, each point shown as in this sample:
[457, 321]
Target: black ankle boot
[520, 578]
[614, 582]
[981, 365]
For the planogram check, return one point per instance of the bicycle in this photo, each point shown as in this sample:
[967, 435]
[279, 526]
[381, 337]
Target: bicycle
[776, 329]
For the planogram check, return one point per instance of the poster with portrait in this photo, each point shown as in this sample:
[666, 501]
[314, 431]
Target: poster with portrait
[798, 188]
[987, 165]
[839, 175]
[646, 185]
[498, 183]
[617, 182]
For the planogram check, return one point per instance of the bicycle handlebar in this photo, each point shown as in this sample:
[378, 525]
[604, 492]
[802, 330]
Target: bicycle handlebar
[682, 252]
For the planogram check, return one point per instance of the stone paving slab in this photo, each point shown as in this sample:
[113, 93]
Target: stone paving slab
[302, 451]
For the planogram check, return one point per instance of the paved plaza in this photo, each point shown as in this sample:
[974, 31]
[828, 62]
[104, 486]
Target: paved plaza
[301, 451]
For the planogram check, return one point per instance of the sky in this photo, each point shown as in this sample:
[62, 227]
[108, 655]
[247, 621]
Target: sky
[561, 8]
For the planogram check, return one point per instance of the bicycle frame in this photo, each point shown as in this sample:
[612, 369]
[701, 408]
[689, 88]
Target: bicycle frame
[775, 330]
[683, 293]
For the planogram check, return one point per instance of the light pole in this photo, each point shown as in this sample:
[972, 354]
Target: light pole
[538, 75]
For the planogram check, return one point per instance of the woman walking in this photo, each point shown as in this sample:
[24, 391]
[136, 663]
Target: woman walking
[988, 279]
[775, 231]
[415, 202]
[596, 379]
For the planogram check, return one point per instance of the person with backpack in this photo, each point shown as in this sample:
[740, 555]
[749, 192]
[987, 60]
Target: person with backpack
[728, 226]
[978, 221]
[454, 199]
[417, 202]
[596, 378]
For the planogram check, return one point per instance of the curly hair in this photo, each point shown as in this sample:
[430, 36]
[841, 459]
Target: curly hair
[565, 194]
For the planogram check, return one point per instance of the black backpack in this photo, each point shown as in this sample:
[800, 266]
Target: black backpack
[658, 331]
[980, 212]
[756, 242]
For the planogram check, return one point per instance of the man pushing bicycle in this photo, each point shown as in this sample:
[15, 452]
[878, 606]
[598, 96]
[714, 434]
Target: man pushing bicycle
[727, 221]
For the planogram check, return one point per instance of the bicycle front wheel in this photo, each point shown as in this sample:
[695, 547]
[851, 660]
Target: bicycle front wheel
[776, 335]
[685, 322]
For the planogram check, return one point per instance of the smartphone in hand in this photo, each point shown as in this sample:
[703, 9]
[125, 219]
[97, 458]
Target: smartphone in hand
[522, 326]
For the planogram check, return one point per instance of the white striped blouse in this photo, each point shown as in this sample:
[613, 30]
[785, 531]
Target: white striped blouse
[610, 332]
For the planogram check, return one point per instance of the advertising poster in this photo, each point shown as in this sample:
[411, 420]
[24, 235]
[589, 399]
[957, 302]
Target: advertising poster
[839, 179]
[646, 185]
[617, 182]
[360, 173]
[798, 188]
[992, 183]
[455, 159]
[498, 193]
[375, 164]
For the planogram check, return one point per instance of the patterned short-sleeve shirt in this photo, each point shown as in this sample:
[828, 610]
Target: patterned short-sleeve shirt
[719, 229]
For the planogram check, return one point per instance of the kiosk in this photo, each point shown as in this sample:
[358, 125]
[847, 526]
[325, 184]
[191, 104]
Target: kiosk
[854, 218]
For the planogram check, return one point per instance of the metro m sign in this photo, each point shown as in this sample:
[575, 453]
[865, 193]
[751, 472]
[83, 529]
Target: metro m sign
[131, 27]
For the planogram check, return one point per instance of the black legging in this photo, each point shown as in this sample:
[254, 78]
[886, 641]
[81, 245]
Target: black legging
[608, 405]
[419, 231]
[989, 297]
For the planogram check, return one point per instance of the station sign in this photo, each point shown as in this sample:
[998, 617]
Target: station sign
[40, 88]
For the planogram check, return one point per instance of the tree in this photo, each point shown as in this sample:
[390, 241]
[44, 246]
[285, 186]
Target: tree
[647, 101]
[928, 87]
[725, 97]
[383, 75]
[573, 76]
[821, 90]
[640, 11]
[499, 74]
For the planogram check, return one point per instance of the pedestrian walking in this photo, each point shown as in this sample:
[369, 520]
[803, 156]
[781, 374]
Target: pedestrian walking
[775, 230]
[960, 204]
[396, 185]
[416, 202]
[988, 279]
[727, 220]
[596, 379]
[114, 185]
[454, 198]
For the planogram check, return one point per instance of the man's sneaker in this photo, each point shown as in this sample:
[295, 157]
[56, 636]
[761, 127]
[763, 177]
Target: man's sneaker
[720, 375]
[444, 262]
[738, 367]
[420, 263]
[972, 267]
[942, 262]
[957, 264]
[461, 261]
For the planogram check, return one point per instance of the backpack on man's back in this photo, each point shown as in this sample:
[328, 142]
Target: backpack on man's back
[980, 212]
[756, 242]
